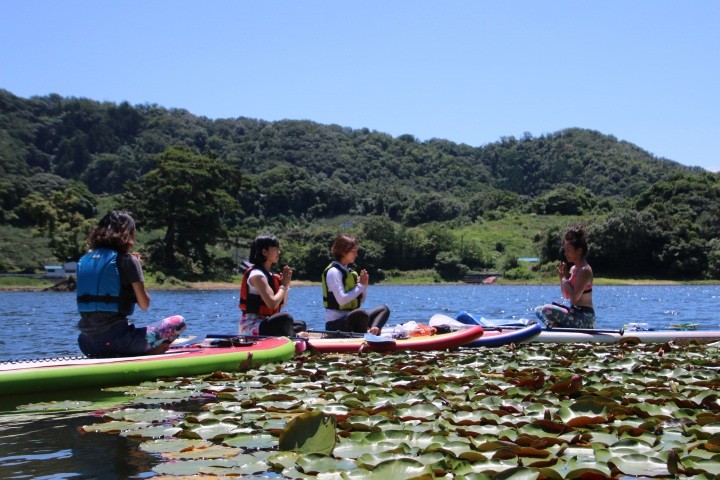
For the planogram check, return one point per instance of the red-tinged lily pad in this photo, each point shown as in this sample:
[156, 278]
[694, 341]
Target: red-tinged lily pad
[584, 421]
[713, 444]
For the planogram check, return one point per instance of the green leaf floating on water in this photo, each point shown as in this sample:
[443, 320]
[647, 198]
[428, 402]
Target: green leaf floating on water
[394, 469]
[311, 432]
[462, 415]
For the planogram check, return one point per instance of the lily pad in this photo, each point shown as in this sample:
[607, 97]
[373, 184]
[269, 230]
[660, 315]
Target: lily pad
[311, 432]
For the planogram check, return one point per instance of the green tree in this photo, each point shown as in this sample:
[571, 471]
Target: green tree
[449, 266]
[432, 207]
[189, 196]
[625, 244]
[65, 218]
[565, 199]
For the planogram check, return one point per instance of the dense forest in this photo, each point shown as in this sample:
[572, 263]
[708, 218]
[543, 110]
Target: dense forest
[201, 189]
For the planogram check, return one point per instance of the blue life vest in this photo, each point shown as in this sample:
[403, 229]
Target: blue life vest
[99, 287]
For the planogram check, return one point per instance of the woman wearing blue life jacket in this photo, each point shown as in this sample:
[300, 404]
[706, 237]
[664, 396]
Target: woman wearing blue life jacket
[576, 284]
[263, 293]
[110, 282]
[344, 291]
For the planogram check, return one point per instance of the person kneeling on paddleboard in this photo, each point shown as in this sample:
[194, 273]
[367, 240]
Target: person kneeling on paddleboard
[344, 291]
[109, 283]
[575, 285]
[263, 294]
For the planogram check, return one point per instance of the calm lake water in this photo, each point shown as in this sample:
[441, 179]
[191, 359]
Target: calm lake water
[42, 324]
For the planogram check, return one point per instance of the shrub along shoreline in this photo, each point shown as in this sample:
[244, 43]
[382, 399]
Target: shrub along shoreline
[14, 284]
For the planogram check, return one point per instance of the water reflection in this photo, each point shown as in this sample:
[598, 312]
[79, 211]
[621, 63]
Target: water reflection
[54, 448]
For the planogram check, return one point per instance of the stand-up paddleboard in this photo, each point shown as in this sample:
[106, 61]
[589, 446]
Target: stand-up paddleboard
[493, 336]
[48, 375]
[597, 335]
[374, 343]
[567, 335]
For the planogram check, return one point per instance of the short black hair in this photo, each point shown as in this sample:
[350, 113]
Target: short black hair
[260, 243]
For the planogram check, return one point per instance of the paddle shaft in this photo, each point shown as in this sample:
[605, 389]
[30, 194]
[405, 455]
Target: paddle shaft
[251, 337]
[589, 331]
[465, 318]
[329, 333]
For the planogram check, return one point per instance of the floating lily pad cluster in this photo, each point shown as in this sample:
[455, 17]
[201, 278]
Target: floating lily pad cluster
[538, 411]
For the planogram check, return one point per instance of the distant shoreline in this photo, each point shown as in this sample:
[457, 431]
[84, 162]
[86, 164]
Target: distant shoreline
[200, 286]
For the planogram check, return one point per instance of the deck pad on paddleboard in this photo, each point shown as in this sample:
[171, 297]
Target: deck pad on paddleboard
[421, 343]
[492, 337]
[590, 335]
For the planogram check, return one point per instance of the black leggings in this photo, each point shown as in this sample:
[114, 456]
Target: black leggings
[360, 320]
[281, 325]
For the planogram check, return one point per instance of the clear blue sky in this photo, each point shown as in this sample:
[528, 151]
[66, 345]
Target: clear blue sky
[645, 71]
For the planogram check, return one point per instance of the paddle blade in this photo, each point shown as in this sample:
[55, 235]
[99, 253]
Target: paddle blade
[467, 319]
[377, 343]
[439, 319]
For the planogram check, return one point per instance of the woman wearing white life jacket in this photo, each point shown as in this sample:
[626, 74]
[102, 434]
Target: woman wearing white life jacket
[344, 291]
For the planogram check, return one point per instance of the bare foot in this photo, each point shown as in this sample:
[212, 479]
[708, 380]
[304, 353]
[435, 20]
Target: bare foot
[374, 330]
[162, 348]
[303, 334]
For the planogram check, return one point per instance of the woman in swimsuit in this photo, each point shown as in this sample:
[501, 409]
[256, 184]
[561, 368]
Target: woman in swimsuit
[575, 285]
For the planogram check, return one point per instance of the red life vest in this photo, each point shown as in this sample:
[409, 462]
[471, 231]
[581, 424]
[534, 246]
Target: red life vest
[252, 302]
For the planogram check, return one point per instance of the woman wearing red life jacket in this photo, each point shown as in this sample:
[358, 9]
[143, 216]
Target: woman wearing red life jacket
[262, 293]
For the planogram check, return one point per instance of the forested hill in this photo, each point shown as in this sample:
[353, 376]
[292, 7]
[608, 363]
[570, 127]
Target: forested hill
[201, 188]
[104, 144]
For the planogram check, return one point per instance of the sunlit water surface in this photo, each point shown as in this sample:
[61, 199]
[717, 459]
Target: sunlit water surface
[43, 324]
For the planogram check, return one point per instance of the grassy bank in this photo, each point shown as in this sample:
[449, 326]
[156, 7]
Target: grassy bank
[25, 283]
[421, 277]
